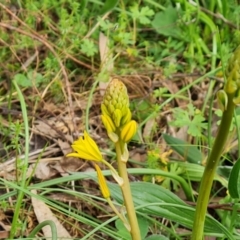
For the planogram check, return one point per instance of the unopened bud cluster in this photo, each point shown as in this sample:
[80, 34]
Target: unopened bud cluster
[232, 85]
[116, 115]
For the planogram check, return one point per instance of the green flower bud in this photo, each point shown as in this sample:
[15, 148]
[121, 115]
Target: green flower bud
[116, 102]
[108, 123]
[222, 99]
[104, 110]
[126, 118]
[233, 73]
[117, 116]
[110, 127]
[236, 100]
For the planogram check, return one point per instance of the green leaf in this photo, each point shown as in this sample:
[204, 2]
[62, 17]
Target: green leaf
[165, 23]
[195, 128]
[108, 6]
[191, 171]
[35, 77]
[143, 226]
[83, 6]
[195, 124]
[142, 15]
[194, 172]
[88, 47]
[155, 200]
[189, 152]
[156, 237]
[22, 80]
[234, 181]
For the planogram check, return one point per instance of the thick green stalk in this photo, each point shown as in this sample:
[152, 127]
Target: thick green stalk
[127, 195]
[210, 170]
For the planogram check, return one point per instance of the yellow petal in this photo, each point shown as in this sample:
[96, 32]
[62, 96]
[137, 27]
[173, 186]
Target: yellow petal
[108, 123]
[74, 155]
[102, 183]
[86, 151]
[92, 146]
[129, 131]
[86, 148]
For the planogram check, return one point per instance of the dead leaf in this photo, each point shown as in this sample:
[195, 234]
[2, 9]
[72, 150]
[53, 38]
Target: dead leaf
[68, 164]
[65, 147]
[71, 164]
[45, 128]
[43, 170]
[182, 133]
[106, 60]
[43, 213]
[173, 89]
[55, 127]
[148, 128]
[4, 234]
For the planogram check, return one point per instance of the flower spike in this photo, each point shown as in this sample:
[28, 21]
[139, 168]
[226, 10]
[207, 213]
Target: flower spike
[116, 103]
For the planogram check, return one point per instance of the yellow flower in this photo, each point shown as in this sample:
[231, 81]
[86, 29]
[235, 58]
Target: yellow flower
[85, 147]
[102, 183]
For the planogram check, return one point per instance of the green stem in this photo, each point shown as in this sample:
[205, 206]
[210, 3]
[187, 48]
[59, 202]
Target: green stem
[127, 195]
[210, 169]
[24, 166]
[124, 220]
[234, 215]
[49, 223]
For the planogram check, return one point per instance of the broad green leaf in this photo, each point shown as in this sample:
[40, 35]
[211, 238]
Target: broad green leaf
[156, 237]
[189, 152]
[155, 200]
[143, 226]
[108, 6]
[234, 181]
[165, 23]
[191, 171]
[194, 172]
